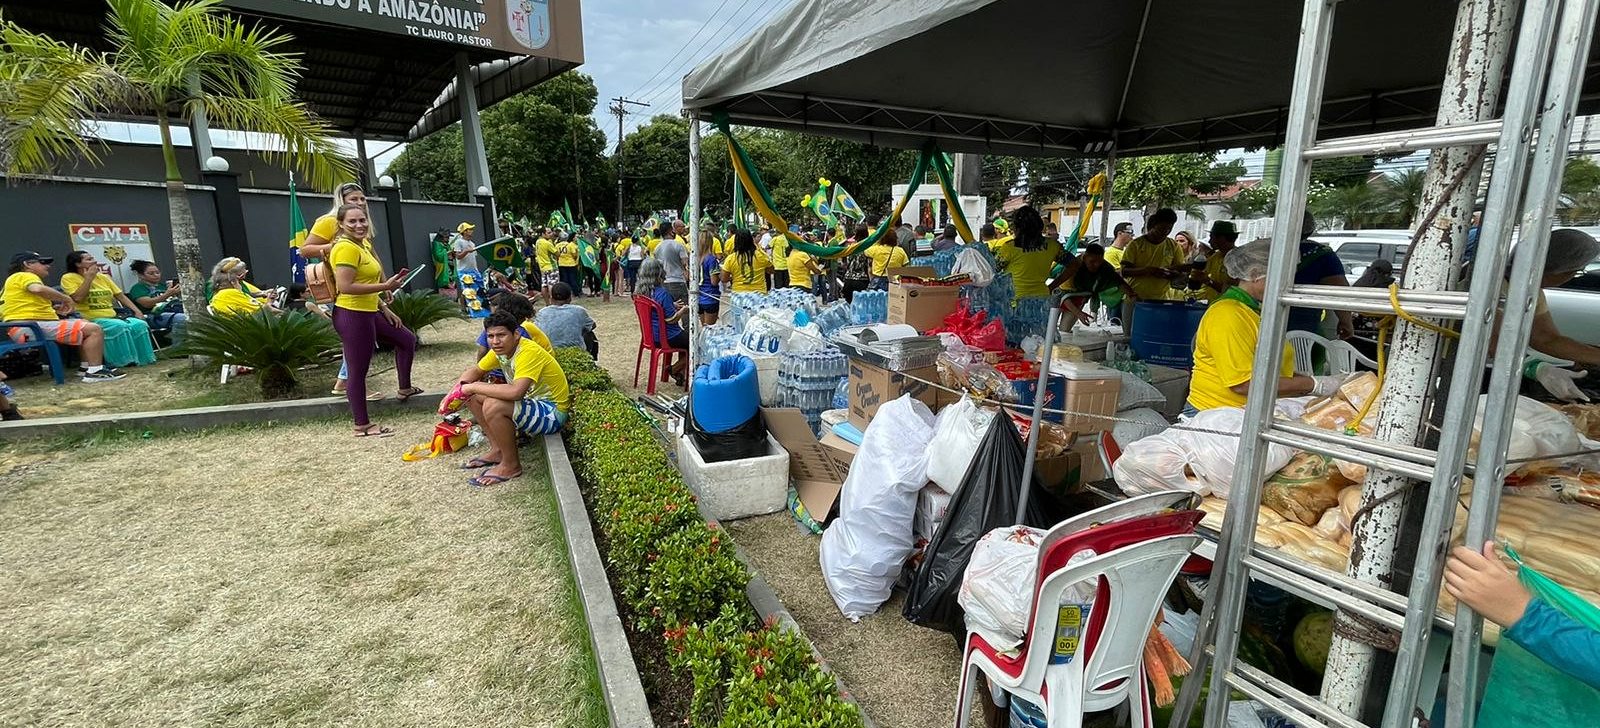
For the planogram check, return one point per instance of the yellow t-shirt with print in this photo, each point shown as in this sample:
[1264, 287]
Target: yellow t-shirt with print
[350, 254]
[1225, 354]
[535, 364]
[234, 302]
[19, 304]
[799, 275]
[751, 280]
[102, 295]
[544, 253]
[1028, 268]
[885, 257]
[1142, 253]
[567, 254]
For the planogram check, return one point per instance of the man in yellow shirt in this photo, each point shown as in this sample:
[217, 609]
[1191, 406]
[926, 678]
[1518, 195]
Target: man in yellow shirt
[780, 263]
[1150, 261]
[885, 255]
[1215, 279]
[1225, 344]
[544, 253]
[27, 298]
[533, 401]
[1121, 235]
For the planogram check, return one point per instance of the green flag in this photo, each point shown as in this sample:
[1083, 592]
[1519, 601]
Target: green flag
[844, 205]
[505, 257]
[567, 207]
[297, 235]
[588, 257]
[817, 203]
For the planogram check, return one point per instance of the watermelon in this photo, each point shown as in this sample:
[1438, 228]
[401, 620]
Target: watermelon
[1312, 638]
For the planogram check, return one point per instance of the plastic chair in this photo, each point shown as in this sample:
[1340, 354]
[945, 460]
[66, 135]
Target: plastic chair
[52, 350]
[1342, 357]
[1137, 559]
[652, 338]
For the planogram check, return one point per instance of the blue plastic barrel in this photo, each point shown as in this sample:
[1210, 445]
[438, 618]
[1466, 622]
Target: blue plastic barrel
[725, 393]
[1163, 332]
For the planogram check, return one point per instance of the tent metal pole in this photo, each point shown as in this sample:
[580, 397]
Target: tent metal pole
[694, 238]
[1133, 63]
[1045, 349]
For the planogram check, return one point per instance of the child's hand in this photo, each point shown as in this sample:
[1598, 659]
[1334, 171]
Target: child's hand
[1481, 582]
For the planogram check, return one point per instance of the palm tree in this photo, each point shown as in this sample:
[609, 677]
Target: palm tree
[1402, 191]
[173, 63]
[1352, 204]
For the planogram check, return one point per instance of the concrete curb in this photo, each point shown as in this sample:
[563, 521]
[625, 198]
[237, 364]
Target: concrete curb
[619, 674]
[198, 418]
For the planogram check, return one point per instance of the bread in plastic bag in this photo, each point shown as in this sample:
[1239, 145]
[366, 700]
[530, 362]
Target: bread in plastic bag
[1329, 526]
[956, 434]
[1156, 464]
[1304, 488]
[863, 551]
[1213, 457]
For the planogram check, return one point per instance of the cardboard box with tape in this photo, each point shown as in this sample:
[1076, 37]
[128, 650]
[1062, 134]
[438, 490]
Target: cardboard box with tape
[871, 386]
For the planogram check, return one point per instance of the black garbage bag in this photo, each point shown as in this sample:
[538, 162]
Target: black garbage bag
[986, 500]
[748, 440]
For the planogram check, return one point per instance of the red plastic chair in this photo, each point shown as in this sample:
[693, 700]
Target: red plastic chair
[654, 340]
[1137, 558]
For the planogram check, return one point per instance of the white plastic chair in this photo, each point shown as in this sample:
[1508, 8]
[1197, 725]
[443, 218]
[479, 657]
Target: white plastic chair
[1139, 555]
[1341, 355]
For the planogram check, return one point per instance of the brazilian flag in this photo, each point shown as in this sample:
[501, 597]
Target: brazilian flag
[589, 258]
[505, 257]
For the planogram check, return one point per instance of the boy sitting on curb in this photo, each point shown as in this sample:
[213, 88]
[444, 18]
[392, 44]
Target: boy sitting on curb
[533, 400]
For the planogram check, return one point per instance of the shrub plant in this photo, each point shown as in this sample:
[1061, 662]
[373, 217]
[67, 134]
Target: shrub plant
[679, 577]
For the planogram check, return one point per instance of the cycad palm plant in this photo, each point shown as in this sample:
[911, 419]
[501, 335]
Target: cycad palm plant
[172, 63]
[274, 345]
[417, 309]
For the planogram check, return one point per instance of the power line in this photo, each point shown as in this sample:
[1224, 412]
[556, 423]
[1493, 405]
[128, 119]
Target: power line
[701, 29]
[675, 75]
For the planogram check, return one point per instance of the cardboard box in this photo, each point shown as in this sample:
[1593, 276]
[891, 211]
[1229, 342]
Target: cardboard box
[871, 386]
[817, 477]
[1093, 397]
[841, 450]
[1069, 471]
[922, 307]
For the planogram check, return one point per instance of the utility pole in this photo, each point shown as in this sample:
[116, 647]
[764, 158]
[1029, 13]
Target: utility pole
[619, 107]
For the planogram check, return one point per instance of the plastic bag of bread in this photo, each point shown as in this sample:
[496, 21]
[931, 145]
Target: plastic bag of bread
[1353, 472]
[1215, 507]
[1349, 503]
[1585, 418]
[1304, 488]
[1155, 464]
[1328, 526]
[1334, 413]
[1358, 388]
[1214, 457]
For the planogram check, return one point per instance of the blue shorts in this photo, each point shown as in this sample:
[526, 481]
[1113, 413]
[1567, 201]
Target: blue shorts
[538, 417]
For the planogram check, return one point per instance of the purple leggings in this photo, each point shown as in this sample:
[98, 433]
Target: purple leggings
[361, 331]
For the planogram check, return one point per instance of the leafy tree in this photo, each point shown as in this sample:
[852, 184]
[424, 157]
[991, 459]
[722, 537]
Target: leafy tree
[1581, 176]
[172, 62]
[537, 142]
[868, 172]
[1165, 180]
[1001, 174]
[655, 165]
[1353, 204]
[1252, 202]
[1402, 193]
[1342, 171]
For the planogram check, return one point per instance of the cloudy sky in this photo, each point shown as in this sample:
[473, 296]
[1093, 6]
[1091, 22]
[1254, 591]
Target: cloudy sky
[638, 49]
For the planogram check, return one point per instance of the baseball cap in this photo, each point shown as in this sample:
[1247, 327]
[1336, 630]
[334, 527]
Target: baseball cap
[463, 227]
[28, 256]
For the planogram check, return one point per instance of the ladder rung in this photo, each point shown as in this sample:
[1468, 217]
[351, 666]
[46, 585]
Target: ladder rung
[1428, 304]
[1338, 447]
[1326, 594]
[1283, 698]
[1361, 443]
[1383, 143]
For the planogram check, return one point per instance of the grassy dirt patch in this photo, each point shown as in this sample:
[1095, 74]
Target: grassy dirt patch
[291, 575]
[172, 384]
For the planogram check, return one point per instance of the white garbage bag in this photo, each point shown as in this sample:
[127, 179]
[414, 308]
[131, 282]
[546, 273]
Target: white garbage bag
[1146, 422]
[997, 588]
[1213, 457]
[975, 265]
[863, 551]
[956, 435]
[1156, 464]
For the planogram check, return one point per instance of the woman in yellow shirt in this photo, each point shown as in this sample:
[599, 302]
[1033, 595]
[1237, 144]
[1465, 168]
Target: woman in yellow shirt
[745, 269]
[1028, 255]
[1225, 344]
[320, 238]
[362, 319]
[128, 341]
[884, 255]
[801, 268]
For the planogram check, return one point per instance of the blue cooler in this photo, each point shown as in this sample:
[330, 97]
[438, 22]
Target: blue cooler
[1163, 332]
[1055, 394]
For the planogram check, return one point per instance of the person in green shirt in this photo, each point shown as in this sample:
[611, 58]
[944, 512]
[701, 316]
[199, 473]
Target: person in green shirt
[161, 300]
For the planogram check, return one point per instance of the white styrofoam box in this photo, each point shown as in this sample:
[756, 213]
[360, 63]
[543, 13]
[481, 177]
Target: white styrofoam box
[1174, 384]
[931, 506]
[737, 488]
[767, 378]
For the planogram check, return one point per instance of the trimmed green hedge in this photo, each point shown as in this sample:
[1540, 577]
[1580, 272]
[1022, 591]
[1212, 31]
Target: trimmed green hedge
[679, 577]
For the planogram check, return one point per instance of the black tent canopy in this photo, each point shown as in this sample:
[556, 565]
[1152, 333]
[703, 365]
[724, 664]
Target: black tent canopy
[1077, 77]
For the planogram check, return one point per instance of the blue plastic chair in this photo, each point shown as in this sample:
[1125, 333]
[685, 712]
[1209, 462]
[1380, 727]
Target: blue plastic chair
[40, 341]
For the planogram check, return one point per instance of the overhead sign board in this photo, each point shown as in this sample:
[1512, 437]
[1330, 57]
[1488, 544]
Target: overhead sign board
[115, 245]
[546, 28]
